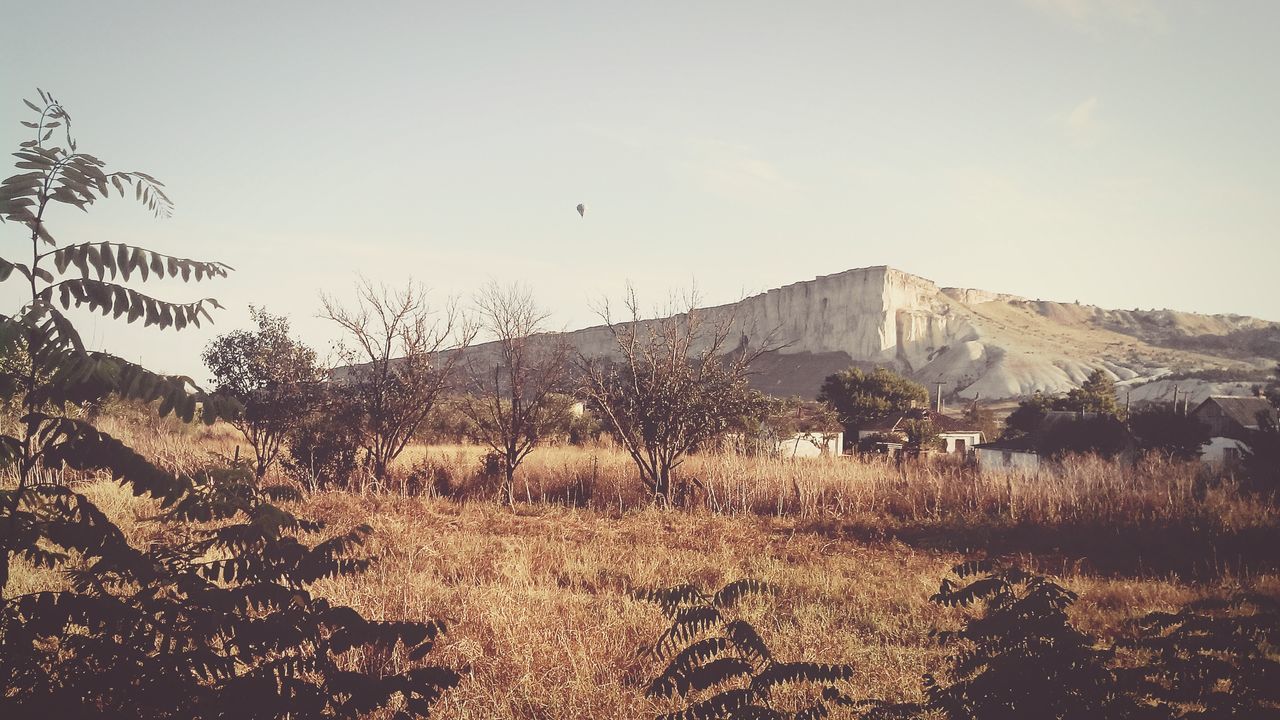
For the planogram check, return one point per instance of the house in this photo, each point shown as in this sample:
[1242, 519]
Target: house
[1234, 417]
[1058, 431]
[1231, 420]
[957, 435]
[811, 444]
[1017, 455]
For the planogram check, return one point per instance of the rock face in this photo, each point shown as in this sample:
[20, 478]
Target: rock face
[977, 343]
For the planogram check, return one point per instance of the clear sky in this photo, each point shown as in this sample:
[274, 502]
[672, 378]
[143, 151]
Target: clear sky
[1124, 153]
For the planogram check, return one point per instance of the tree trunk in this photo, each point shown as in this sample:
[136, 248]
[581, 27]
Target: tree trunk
[510, 473]
[662, 485]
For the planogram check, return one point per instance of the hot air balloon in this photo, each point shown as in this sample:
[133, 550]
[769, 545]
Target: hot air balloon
[582, 209]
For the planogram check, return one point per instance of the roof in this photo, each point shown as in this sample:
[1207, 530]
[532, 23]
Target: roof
[1025, 444]
[941, 423]
[1242, 410]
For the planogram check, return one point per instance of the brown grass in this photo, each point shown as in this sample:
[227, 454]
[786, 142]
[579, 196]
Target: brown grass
[536, 598]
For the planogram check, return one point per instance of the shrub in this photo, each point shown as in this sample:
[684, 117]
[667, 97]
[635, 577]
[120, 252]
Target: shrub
[722, 668]
[1022, 657]
[214, 618]
[324, 445]
[208, 622]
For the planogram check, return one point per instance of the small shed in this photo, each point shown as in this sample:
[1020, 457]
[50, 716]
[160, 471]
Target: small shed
[1223, 452]
[1017, 455]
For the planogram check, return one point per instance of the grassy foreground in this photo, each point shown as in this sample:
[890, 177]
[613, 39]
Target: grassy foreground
[536, 598]
[537, 606]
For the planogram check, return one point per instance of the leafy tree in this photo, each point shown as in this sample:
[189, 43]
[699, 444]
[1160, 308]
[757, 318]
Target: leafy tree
[674, 384]
[395, 367]
[1101, 435]
[210, 621]
[860, 398]
[48, 372]
[1169, 432]
[795, 420]
[512, 400]
[324, 442]
[274, 376]
[921, 435]
[1028, 417]
[1096, 395]
[1262, 459]
[448, 423]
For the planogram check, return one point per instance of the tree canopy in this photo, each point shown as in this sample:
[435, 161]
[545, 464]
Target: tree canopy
[860, 398]
[273, 375]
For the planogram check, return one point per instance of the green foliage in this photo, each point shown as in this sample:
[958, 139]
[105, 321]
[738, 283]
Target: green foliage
[1096, 395]
[731, 673]
[1101, 435]
[274, 376]
[447, 423]
[48, 371]
[324, 443]
[1028, 417]
[860, 398]
[1262, 460]
[214, 619]
[1169, 432]
[983, 419]
[921, 435]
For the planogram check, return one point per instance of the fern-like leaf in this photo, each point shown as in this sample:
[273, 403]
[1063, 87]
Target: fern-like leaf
[729, 595]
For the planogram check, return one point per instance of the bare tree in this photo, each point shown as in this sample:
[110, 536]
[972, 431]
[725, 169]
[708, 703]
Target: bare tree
[402, 359]
[676, 383]
[511, 396]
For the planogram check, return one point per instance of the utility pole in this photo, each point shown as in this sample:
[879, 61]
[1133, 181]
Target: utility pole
[940, 384]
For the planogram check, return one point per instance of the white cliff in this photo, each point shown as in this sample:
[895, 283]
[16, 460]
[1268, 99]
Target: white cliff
[977, 343]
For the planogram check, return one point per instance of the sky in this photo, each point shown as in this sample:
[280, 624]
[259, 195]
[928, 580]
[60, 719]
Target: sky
[1122, 153]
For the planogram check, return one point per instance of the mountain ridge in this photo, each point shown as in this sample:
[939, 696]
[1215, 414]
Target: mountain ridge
[977, 343]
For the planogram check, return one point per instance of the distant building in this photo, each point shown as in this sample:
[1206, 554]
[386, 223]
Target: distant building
[1029, 452]
[1018, 455]
[811, 444]
[1234, 417]
[1231, 420]
[957, 435]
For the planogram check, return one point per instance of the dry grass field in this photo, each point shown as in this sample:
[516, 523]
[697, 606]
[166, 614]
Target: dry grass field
[537, 602]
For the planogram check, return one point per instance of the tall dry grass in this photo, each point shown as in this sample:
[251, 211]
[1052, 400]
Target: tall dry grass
[1091, 489]
[536, 596]
[539, 613]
